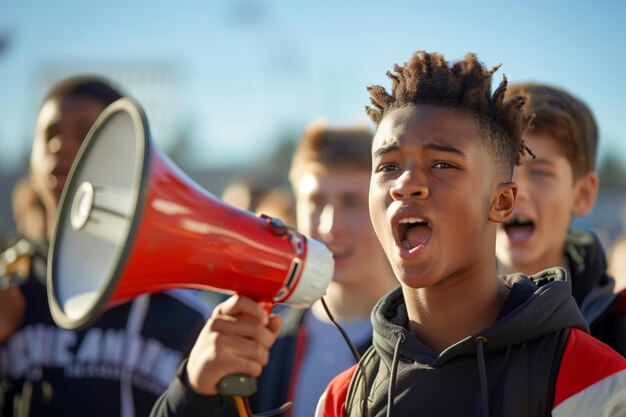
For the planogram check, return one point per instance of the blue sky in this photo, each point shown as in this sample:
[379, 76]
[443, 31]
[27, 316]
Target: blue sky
[247, 72]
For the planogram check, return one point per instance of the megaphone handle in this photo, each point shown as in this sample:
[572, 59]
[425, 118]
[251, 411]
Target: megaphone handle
[237, 385]
[240, 384]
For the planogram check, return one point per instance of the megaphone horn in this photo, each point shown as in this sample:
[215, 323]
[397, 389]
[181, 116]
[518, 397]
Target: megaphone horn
[131, 222]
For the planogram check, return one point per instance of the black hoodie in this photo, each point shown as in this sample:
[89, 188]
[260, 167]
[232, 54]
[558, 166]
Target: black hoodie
[507, 369]
[592, 289]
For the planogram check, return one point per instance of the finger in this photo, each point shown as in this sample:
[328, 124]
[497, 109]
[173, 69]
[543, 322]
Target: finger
[12, 308]
[209, 363]
[225, 354]
[275, 321]
[242, 305]
[241, 328]
[12, 300]
[244, 366]
[241, 348]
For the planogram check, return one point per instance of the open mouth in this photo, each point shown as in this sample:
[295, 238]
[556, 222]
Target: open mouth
[519, 228]
[340, 253]
[413, 232]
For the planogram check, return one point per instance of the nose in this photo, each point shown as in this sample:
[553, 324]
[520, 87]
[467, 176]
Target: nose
[63, 147]
[328, 224]
[409, 185]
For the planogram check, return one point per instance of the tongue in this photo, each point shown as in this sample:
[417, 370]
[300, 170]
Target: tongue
[518, 233]
[415, 236]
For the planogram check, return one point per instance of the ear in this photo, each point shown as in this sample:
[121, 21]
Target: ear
[503, 203]
[585, 193]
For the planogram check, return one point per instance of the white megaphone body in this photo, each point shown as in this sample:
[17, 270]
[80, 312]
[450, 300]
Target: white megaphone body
[130, 222]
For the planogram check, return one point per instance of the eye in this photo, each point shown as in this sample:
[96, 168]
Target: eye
[443, 165]
[352, 201]
[388, 167]
[540, 173]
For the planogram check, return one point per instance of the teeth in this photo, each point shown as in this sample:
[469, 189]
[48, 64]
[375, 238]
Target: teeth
[410, 220]
[519, 221]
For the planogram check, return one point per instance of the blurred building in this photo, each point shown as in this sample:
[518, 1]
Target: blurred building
[156, 84]
[608, 217]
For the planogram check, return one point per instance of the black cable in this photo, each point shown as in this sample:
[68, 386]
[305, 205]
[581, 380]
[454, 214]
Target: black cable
[354, 351]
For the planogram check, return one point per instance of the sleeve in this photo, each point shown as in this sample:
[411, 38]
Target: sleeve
[591, 379]
[179, 400]
[332, 403]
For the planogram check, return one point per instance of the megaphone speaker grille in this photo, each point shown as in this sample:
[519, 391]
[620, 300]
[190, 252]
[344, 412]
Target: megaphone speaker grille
[130, 222]
[95, 216]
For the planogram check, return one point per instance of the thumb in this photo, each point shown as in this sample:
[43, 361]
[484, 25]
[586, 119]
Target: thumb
[275, 321]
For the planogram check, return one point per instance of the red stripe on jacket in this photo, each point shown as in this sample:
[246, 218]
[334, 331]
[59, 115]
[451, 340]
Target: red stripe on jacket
[620, 308]
[302, 336]
[337, 392]
[585, 361]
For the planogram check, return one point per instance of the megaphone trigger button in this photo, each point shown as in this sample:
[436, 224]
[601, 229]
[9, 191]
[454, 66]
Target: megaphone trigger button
[277, 226]
[278, 223]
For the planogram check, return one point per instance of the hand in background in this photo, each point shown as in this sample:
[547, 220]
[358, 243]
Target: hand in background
[12, 308]
[235, 340]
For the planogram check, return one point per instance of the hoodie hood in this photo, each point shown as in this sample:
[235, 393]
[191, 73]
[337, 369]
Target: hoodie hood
[536, 306]
[592, 288]
[506, 369]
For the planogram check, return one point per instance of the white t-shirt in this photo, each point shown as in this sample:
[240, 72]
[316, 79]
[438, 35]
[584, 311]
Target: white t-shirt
[326, 355]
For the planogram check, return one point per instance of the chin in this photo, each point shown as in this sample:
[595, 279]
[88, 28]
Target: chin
[418, 277]
[340, 278]
[521, 258]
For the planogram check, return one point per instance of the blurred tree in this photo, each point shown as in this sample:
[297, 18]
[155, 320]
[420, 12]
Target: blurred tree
[5, 41]
[181, 147]
[612, 173]
[280, 159]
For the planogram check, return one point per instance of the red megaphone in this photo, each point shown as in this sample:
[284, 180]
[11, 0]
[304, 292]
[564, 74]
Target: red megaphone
[130, 222]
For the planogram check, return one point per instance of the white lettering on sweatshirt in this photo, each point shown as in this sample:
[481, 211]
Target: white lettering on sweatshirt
[100, 354]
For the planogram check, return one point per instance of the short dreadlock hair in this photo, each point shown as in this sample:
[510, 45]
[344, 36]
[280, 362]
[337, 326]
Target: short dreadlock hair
[565, 118]
[465, 86]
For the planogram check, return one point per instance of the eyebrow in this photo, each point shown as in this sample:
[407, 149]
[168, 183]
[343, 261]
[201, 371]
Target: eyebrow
[443, 148]
[393, 146]
[540, 161]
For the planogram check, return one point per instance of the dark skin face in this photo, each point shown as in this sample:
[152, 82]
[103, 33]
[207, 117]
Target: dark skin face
[62, 125]
[60, 130]
[436, 196]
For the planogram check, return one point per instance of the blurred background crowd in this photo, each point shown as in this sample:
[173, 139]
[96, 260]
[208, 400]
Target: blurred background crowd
[230, 86]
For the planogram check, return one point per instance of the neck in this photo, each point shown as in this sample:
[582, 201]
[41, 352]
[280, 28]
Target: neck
[529, 268]
[454, 309]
